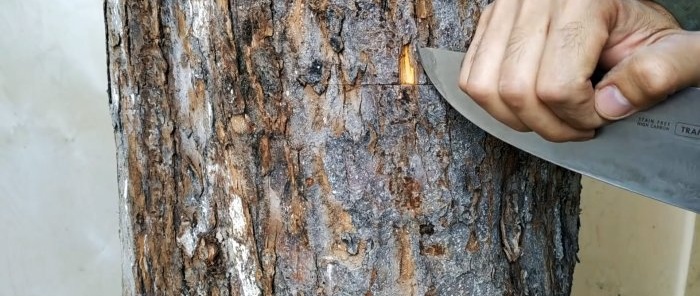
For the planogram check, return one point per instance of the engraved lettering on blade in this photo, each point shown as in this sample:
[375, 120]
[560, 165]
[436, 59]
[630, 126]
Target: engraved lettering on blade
[653, 123]
[688, 130]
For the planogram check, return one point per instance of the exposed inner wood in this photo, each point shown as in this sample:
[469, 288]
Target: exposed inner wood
[407, 72]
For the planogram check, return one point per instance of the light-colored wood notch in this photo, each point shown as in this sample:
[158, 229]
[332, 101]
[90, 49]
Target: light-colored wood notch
[407, 72]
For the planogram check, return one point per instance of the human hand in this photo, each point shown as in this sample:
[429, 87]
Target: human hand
[530, 63]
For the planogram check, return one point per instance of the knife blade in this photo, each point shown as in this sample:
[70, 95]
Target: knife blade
[655, 153]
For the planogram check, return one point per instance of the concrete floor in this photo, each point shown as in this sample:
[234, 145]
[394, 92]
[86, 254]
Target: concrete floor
[58, 204]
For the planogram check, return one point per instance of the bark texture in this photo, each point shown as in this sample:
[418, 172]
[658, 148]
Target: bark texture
[295, 147]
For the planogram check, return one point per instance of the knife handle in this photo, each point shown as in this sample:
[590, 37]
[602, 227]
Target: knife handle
[686, 12]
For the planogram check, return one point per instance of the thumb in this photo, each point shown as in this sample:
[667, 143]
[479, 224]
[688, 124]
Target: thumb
[649, 75]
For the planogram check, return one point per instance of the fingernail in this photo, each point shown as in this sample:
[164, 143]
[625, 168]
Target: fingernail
[611, 104]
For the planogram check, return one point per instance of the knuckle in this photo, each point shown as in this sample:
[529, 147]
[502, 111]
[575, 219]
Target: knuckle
[514, 93]
[515, 103]
[549, 92]
[559, 92]
[479, 91]
[653, 76]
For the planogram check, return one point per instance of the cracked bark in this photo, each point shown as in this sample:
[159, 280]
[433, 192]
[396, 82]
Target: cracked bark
[296, 147]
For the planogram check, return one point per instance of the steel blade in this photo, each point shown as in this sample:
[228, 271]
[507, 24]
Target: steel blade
[655, 153]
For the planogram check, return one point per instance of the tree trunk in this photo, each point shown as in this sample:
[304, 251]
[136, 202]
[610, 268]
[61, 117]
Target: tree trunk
[296, 147]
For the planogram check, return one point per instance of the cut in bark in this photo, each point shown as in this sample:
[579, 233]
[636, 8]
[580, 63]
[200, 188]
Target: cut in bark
[296, 147]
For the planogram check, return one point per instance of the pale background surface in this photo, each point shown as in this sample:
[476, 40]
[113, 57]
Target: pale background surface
[632, 245]
[58, 194]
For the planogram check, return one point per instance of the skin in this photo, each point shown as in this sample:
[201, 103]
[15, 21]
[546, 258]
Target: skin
[530, 63]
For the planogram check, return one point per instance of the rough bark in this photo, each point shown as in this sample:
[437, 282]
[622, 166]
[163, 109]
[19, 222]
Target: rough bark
[296, 147]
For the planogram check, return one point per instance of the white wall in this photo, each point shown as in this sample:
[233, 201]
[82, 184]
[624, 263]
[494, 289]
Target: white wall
[631, 245]
[58, 194]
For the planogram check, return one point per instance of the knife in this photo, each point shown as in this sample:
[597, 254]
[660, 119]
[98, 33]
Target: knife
[655, 153]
